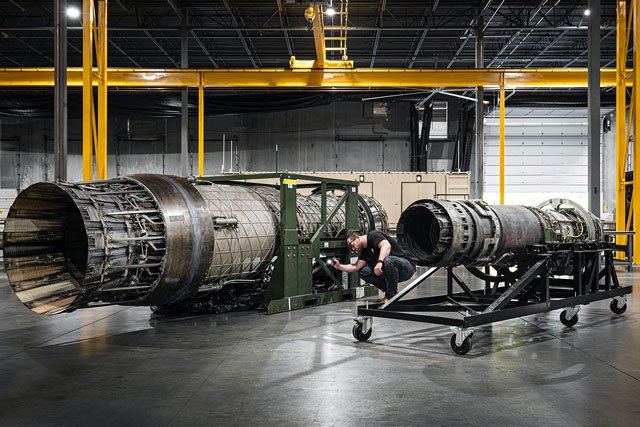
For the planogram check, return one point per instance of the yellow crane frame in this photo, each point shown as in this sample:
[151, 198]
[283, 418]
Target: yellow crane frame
[626, 121]
[95, 136]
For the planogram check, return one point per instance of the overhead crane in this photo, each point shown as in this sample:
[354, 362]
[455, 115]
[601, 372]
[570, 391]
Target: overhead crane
[324, 74]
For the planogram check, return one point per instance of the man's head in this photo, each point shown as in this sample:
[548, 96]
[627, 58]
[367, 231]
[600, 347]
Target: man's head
[355, 241]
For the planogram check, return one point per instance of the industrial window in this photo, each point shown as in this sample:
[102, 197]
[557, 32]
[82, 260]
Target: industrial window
[439, 120]
[380, 109]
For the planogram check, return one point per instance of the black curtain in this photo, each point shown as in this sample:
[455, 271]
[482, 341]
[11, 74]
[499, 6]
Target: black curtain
[414, 142]
[464, 139]
[40, 103]
[424, 137]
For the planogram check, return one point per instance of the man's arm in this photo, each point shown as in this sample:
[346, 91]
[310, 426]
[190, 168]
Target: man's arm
[385, 250]
[348, 268]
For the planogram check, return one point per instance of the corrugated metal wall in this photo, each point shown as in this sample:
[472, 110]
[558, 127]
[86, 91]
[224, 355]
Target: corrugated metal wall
[546, 152]
[336, 137]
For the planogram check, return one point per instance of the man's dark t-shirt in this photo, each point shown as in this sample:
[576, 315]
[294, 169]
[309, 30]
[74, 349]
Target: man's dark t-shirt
[371, 253]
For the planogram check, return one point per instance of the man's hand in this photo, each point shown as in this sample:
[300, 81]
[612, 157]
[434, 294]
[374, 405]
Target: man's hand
[378, 269]
[336, 263]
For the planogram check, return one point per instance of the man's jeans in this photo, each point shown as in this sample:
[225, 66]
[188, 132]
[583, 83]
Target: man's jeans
[394, 270]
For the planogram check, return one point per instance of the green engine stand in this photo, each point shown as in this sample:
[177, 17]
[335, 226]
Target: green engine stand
[291, 285]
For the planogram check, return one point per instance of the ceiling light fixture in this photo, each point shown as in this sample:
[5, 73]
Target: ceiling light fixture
[330, 11]
[587, 12]
[73, 12]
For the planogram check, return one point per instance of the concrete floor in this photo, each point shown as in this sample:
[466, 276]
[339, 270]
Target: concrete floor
[123, 366]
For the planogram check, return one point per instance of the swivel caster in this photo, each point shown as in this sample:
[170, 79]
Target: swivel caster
[359, 334]
[618, 305]
[569, 317]
[461, 349]
[461, 340]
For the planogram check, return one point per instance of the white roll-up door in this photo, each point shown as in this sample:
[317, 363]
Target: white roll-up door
[545, 156]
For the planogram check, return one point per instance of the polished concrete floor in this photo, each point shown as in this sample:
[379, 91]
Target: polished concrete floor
[121, 366]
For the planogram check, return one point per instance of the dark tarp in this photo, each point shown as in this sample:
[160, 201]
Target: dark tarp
[40, 103]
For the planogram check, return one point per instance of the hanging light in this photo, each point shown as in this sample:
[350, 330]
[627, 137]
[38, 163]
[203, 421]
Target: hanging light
[73, 12]
[330, 11]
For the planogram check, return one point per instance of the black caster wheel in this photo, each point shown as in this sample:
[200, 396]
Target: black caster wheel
[614, 307]
[462, 349]
[568, 322]
[359, 335]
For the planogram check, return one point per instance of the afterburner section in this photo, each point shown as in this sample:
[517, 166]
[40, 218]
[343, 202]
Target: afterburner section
[69, 245]
[45, 248]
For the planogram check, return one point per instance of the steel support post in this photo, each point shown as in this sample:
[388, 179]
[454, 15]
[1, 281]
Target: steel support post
[351, 222]
[184, 122]
[502, 105]
[479, 114]
[622, 143]
[87, 89]
[593, 101]
[200, 130]
[60, 90]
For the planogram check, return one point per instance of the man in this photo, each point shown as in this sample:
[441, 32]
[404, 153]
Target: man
[382, 261]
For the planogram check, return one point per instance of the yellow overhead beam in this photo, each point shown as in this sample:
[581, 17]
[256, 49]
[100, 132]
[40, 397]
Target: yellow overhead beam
[328, 63]
[316, 78]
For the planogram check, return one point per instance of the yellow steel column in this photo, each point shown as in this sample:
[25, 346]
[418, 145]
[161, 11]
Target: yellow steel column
[87, 89]
[629, 124]
[631, 114]
[636, 128]
[318, 36]
[502, 103]
[621, 107]
[101, 150]
[200, 129]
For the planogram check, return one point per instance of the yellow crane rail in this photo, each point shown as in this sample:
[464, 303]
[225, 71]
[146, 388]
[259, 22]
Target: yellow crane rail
[318, 78]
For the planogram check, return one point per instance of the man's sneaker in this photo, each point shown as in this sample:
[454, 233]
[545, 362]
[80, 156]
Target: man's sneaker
[381, 300]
